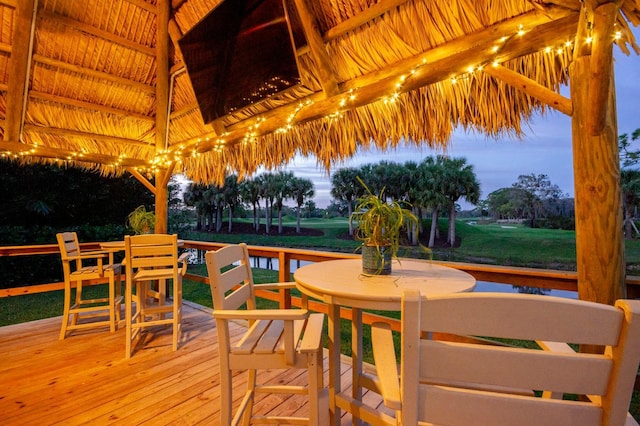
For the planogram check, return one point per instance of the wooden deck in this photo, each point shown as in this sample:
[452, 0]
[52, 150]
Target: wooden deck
[85, 378]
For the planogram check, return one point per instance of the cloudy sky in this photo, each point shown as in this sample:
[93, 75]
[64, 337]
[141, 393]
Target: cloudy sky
[545, 149]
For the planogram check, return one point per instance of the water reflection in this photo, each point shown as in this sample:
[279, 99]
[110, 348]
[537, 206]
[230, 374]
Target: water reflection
[197, 257]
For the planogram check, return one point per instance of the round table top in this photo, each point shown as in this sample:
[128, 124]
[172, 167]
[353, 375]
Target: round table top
[343, 282]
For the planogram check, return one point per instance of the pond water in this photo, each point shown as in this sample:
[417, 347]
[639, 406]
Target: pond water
[481, 286]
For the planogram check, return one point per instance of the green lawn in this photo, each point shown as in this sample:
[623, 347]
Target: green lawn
[509, 245]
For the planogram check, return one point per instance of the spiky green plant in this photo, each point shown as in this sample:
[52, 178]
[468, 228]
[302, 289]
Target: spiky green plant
[379, 223]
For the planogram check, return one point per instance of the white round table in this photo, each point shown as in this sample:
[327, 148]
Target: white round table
[341, 283]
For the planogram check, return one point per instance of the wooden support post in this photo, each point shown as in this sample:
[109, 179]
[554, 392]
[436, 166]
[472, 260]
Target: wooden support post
[23, 34]
[162, 112]
[598, 197]
[162, 204]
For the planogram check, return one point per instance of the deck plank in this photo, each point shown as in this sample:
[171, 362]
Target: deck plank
[85, 379]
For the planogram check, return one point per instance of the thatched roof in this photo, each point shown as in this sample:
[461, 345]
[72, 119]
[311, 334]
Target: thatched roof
[101, 84]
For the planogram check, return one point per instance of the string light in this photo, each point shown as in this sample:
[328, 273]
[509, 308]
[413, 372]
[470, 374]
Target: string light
[165, 158]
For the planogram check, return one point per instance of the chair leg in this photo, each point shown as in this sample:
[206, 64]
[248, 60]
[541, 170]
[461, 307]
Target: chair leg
[314, 368]
[118, 295]
[65, 312]
[252, 377]
[127, 315]
[78, 303]
[177, 312]
[112, 301]
[226, 396]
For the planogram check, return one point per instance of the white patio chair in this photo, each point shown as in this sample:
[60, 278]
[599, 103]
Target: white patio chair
[75, 269]
[152, 258]
[276, 338]
[463, 383]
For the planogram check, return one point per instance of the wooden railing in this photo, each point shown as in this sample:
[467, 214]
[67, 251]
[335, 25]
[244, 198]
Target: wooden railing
[530, 277]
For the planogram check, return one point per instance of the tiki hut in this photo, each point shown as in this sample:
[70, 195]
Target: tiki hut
[205, 88]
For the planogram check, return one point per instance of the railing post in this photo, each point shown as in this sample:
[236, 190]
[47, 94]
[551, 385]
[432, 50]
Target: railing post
[284, 275]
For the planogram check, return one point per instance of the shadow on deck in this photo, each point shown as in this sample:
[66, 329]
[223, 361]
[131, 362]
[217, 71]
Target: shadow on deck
[86, 378]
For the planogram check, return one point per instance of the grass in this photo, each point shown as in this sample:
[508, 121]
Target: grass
[509, 245]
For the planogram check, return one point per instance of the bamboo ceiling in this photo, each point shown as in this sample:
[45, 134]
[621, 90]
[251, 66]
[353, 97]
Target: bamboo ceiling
[101, 84]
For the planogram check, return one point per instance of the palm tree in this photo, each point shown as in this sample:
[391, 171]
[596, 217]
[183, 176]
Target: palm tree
[269, 188]
[301, 190]
[193, 196]
[408, 188]
[250, 194]
[430, 175]
[458, 181]
[282, 191]
[344, 186]
[231, 196]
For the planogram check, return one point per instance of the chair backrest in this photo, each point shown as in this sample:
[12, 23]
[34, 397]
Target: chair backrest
[68, 244]
[69, 252]
[152, 252]
[231, 286]
[446, 389]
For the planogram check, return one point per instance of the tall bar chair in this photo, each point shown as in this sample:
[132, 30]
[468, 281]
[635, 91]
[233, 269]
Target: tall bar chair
[152, 258]
[76, 270]
[275, 338]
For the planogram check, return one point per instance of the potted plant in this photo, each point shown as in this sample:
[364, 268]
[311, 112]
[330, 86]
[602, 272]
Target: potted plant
[379, 225]
[141, 221]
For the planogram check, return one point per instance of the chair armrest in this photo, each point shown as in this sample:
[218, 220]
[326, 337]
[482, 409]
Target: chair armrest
[312, 339]
[386, 365]
[184, 257]
[93, 254]
[90, 255]
[275, 286]
[262, 314]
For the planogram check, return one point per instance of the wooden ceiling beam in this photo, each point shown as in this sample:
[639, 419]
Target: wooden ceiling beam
[57, 131]
[440, 63]
[95, 74]
[9, 3]
[325, 75]
[90, 29]
[142, 179]
[18, 68]
[18, 150]
[88, 106]
[143, 5]
[531, 88]
[362, 18]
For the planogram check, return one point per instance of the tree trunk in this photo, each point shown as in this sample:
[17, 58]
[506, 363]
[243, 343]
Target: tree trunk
[267, 217]
[230, 219]
[434, 227]
[218, 220]
[415, 229]
[350, 211]
[256, 217]
[452, 225]
[628, 218]
[298, 219]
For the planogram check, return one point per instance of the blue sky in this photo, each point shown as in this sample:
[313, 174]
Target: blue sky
[545, 148]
